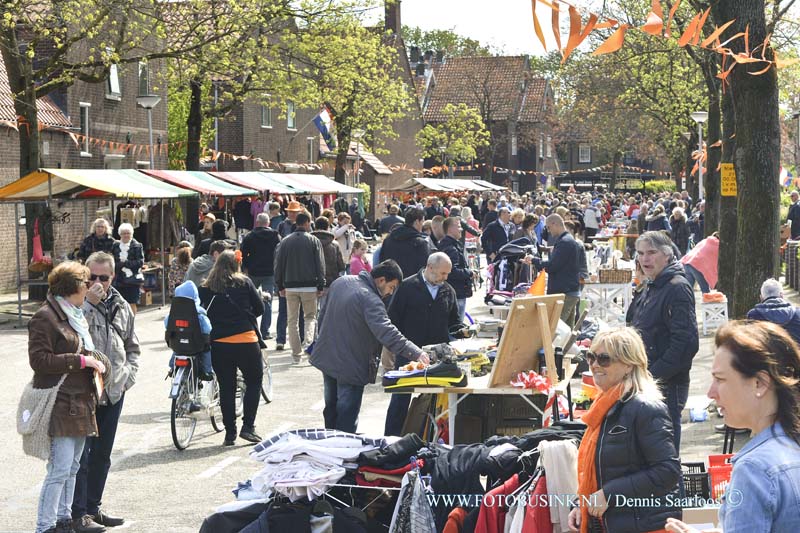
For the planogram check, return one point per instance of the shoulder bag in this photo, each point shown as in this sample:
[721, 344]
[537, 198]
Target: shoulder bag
[33, 418]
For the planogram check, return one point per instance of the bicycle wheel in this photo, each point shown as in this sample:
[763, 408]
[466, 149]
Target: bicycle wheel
[214, 413]
[181, 420]
[266, 381]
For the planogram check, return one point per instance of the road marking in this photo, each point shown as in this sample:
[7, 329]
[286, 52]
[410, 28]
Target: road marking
[219, 467]
[319, 406]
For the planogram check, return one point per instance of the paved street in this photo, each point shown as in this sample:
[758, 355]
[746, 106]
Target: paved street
[158, 488]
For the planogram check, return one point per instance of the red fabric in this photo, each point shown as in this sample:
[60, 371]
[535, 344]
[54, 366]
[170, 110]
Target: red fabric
[492, 517]
[455, 520]
[537, 512]
[360, 480]
[703, 257]
[395, 472]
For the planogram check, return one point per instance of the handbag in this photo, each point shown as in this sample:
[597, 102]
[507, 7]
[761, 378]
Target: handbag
[135, 280]
[33, 418]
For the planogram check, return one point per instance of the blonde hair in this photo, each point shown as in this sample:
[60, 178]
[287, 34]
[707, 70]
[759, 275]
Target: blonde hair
[626, 346]
[517, 214]
[98, 221]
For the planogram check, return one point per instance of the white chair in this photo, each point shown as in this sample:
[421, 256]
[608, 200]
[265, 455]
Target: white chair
[715, 314]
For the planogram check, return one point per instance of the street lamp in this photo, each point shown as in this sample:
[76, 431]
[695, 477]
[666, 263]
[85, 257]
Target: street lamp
[443, 150]
[149, 101]
[700, 117]
[358, 134]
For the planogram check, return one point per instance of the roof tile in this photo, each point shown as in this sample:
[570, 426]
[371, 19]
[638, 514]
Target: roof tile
[49, 112]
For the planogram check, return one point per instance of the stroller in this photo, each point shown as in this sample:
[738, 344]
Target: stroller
[507, 271]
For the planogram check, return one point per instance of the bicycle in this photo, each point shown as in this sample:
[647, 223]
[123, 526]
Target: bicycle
[266, 381]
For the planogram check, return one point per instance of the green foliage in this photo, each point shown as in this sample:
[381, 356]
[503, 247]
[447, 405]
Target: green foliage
[460, 134]
[447, 41]
[367, 192]
[657, 186]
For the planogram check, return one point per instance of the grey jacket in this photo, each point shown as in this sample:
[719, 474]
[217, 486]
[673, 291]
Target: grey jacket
[299, 262]
[199, 269]
[111, 328]
[353, 326]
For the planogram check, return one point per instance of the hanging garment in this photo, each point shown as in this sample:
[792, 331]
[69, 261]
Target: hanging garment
[560, 461]
[242, 216]
[492, 516]
[412, 513]
[169, 223]
[536, 517]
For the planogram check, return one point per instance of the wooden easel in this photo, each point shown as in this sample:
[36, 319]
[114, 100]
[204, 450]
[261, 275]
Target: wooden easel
[530, 327]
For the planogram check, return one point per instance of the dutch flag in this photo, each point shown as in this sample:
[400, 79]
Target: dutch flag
[786, 177]
[324, 123]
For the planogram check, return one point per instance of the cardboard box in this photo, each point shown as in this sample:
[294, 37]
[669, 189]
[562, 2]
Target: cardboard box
[147, 298]
[701, 517]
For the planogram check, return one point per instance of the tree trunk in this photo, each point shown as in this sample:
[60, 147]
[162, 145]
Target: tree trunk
[726, 264]
[757, 157]
[342, 147]
[711, 177]
[612, 185]
[194, 125]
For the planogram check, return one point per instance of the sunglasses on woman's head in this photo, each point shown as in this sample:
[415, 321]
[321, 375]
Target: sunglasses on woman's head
[101, 277]
[603, 359]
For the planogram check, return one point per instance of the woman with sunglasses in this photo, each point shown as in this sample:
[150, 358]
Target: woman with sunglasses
[628, 470]
[59, 344]
[756, 384]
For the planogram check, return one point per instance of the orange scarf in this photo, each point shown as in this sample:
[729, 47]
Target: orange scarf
[587, 474]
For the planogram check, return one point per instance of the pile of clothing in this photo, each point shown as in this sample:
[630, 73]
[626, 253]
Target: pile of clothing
[442, 374]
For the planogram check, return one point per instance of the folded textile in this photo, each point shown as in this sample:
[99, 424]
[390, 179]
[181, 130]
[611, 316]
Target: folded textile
[364, 482]
[304, 477]
[426, 381]
[397, 453]
[439, 370]
[391, 471]
[371, 476]
[320, 435]
[334, 450]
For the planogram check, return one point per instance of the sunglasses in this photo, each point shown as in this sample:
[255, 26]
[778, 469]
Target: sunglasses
[101, 277]
[603, 359]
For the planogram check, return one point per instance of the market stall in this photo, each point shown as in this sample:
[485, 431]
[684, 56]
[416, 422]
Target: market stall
[83, 185]
[445, 185]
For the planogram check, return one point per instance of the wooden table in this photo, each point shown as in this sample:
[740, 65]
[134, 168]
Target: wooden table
[480, 386]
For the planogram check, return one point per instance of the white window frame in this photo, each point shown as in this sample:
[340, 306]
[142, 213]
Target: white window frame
[291, 116]
[113, 89]
[549, 147]
[311, 142]
[266, 117]
[513, 144]
[84, 127]
[144, 66]
[541, 146]
[584, 153]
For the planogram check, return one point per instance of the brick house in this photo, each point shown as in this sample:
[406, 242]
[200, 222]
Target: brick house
[516, 106]
[102, 111]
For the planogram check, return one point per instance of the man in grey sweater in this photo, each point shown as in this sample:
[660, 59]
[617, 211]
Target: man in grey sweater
[300, 278]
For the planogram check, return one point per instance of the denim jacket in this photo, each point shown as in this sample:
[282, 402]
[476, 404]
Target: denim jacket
[764, 492]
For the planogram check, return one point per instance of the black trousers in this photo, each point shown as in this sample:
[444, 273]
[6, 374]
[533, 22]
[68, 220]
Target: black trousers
[226, 358]
[90, 481]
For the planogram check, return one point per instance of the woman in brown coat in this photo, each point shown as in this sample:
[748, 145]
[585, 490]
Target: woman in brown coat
[59, 343]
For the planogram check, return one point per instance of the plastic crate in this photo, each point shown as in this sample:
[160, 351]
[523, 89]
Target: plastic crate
[695, 480]
[719, 477]
[719, 460]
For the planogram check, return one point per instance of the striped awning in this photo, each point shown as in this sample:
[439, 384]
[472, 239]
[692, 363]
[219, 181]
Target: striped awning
[259, 181]
[313, 183]
[89, 183]
[201, 182]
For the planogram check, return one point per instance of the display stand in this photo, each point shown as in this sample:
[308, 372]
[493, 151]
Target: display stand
[530, 327]
[608, 301]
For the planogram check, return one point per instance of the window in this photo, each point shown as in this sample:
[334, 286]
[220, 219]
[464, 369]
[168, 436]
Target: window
[584, 153]
[541, 146]
[85, 107]
[549, 146]
[113, 91]
[514, 144]
[144, 78]
[266, 116]
[290, 115]
[312, 142]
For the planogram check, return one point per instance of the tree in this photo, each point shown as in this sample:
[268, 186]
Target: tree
[446, 41]
[461, 134]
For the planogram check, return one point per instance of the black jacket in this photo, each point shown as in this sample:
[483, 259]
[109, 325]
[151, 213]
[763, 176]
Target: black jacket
[432, 211]
[332, 254]
[680, 235]
[299, 262]
[386, 223]
[420, 318]
[488, 218]
[664, 315]
[135, 260]
[234, 311]
[779, 311]
[564, 265]
[794, 218]
[408, 247]
[494, 237]
[258, 251]
[636, 458]
[460, 277]
[93, 243]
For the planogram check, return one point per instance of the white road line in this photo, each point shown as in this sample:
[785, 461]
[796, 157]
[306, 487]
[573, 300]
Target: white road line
[219, 467]
[319, 406]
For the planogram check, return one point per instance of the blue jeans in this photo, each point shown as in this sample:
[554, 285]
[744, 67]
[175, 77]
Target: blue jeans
[398, 406]
[342, 405]
[676, 396]
[55, 500]
[462, 308]
[95, 461]
[694, 275]
[266, 284]
[283, 321]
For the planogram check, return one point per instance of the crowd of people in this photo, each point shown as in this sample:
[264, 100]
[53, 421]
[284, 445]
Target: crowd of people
[338, 309]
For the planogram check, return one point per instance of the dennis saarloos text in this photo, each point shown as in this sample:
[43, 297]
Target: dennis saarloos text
[507, 500]
[732, 497]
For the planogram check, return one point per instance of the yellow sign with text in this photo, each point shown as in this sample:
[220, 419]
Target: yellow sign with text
[728, 179]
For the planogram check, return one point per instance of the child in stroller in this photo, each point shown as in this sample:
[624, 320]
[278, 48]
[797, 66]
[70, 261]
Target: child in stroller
[509, 270]
[188, 329]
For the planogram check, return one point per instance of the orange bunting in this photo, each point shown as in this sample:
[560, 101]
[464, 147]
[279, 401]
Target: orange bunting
[716, 144]
[556, 29]
[655, 20]
[691, 30]
[613, 43]
[781, 63]
[610, 23]
[575, 35]
[716, 33]
[668, 29]
[536, 27]
[700, 24]
[762, 71]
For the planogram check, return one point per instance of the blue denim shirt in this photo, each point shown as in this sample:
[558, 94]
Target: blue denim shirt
[764, 492]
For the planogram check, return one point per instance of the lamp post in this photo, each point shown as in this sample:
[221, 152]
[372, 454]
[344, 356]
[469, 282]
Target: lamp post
[148, 102]
[357, 134]
[700, 117]
[443, 150]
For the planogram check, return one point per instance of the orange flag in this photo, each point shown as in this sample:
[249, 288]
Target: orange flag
[672, 11]
[575, 36]
[690, 31]
[716, 33]
[655, 20]
[556, 29]
[613, 43]
[537, 28]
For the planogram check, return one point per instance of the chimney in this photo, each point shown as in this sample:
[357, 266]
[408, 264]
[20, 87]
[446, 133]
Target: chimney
[440, 56]
[429, 57]
[420, 69]
[392, 8]
[415, 55]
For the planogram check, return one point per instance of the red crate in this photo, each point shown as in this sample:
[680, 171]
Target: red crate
[719, 460]
[720, 477]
